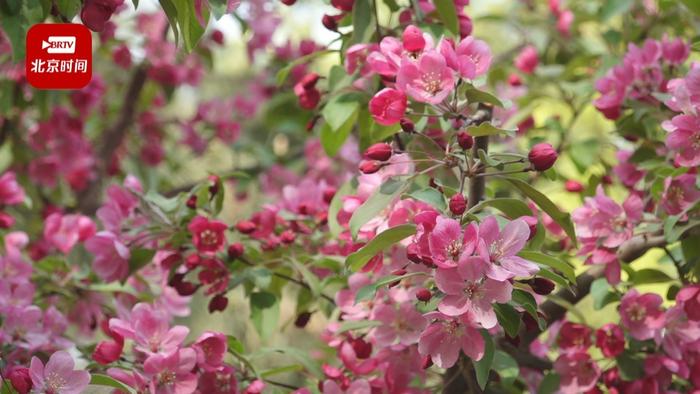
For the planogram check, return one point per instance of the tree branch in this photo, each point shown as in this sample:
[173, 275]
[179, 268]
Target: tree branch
[89, 200]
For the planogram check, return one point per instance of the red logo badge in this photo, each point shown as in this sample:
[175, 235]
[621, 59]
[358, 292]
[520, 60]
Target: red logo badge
[59, 56]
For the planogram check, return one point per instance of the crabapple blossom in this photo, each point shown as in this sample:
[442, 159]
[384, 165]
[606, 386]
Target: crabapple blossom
[57, 375]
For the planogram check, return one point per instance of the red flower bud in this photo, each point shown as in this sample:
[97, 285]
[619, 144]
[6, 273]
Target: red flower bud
[413, 40]
[465, 140]
[218, 303]
[6, 220]
[288, 237]
[343, 5]
[192, 261]
[288, 2]
[407, 125]
[96, 13]
[302, 319]
[108, 352]
[380, 151]
[329, 22]
[531, 224]
[424, 294]
[20, 379]
[541, 286]
[458, 204]
[235, 250]
[328, 194]
[606, 179]
[427, 362]
[246, 226]
[412, 254]
[370, 166]
[214, 185]
[218, 37]
[573, 186]
[514, 80]
[542, 156]
[309, 81]
[192, 202]
[362, 348]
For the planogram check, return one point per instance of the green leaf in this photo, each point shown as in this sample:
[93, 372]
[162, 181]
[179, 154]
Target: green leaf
[551, 261]
[550, 384]
[171, 12]
[527, 302]
[302, 357]
[139, 258]
[362, 21]
[487, 128]
[235, 344]
[602, 293]
[511, 207]
[107, 381]
[336, 203]
[430, 196]
[280, 370]
[553, 276]
[509, 318]
[368, 292]
[649, 275]
[340, 109]
[5, 156]
[448, 14]
[15, 27]
[264, 312]
[187, 20]
[380, 242]
[474, 95]
[357, 325]
[506, 367]
[561, 218]
[692, 5]
[68, 8]
[383, 196]
[309, 278]
[483, 366]
[631, 366]
[613, 8]
[283, 73]
[333, 140]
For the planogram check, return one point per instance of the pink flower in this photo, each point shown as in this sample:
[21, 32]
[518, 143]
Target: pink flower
[527, 60]
[220, 381]
[404, 323]
[641, 314]
[427, 80]
[470, 59]
[387, 60]
[446, 336]
[689, 297]
[11, 193]
[674, 51]
[64, 231]
[58, 376]
[574, 336]
[207, 235]
[679, 332]
[501, 248]
[685, 92]
[628, 172]
[356, 58]
[149, 328]
[679, 194]
[564, 22]
[579, 373]
[360, 386]
[466, 292]
[610, 339]
[172, 374]
[683, 138]
[448, 242]
[388, 106]
[210, 348]
[111, 256]
[96, 13]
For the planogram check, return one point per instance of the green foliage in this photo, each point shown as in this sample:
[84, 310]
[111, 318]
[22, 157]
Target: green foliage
[107, 381]
[380, 242]
[447, 10]
[380, 199]
[483, 366]
[264, 313]
[508, 318]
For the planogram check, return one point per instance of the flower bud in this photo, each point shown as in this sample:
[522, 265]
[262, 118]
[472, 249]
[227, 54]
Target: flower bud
[192, 202]
[6, 220]
[362, 348]
[328, 194]
[20, 379]
[424, 294]
[412, 254]
[573, 186]
[370, 166]
[542, 156]
[458, 204]
[514, 80]
[329, 22]
[302, 319]
[246, 226]
[107, 352]
[413, 40]
[541, 286]
[407, 125]
[218, 37]
[606, 180]
[309, 80]
[185, 288]
[218, 303]
[531, 224]
[343, 5]
[288, 2]
[427, 362]
[380, 151]
[465, 140]
[235, 250]
[288, 237]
